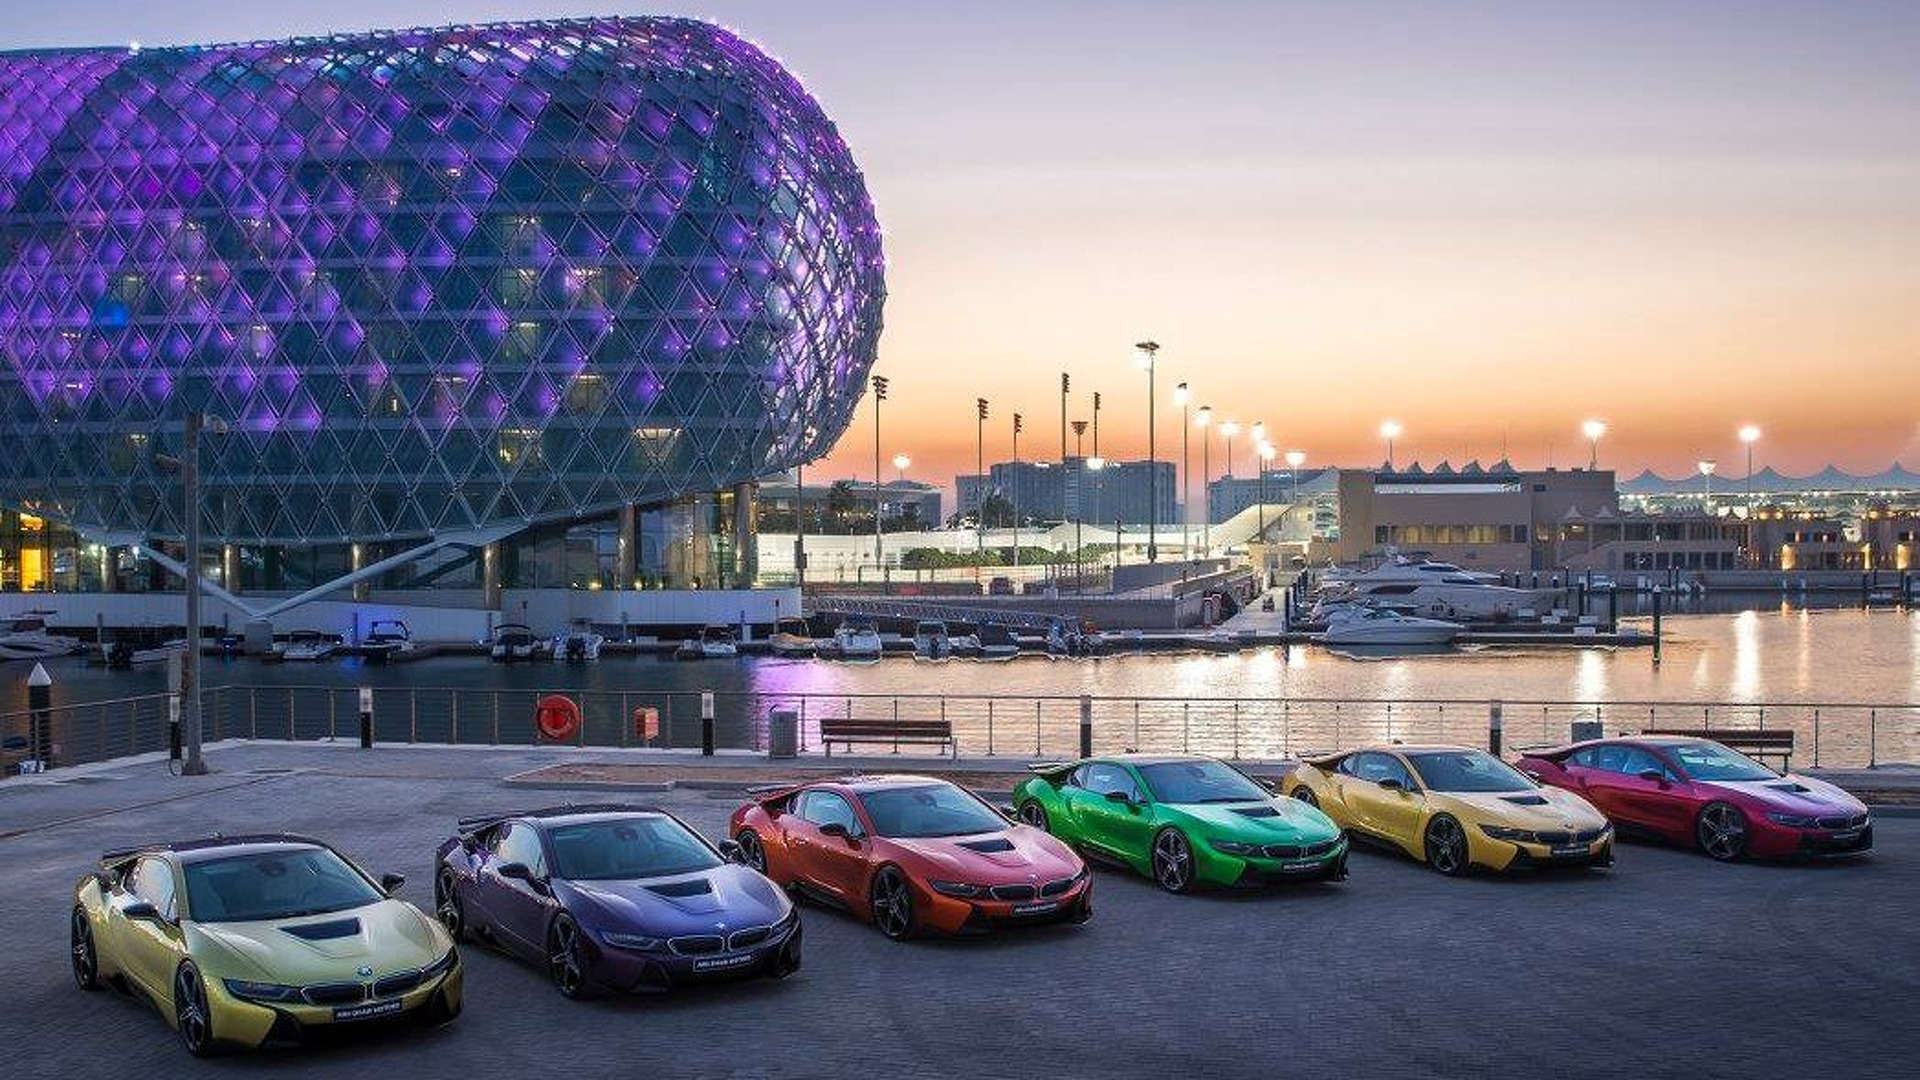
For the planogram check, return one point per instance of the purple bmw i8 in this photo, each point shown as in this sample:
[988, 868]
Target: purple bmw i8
[613, 898]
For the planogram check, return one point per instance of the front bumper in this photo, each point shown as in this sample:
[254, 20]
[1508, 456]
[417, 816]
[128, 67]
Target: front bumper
[1776, 841]
[1512, 855]
[1259, 870]
[244, 1022]
[653, 972]
[955, 915]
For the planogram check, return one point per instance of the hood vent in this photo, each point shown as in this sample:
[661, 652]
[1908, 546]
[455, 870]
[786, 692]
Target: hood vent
[325, 931]
[1790, 788]
[680, 889]
[987, 847]
[1525, 800]
[1256, 811]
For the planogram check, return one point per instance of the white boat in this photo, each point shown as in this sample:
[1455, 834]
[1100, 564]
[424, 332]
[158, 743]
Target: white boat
[964, 644]
[792, 637]
[123, 654]
[1458, 597]
[715, 642]
[997, 642]
[1065, 639]
[1400, 568]
[931, 641]
[386, 639]
[854, 639]
[307, 645]
[515, 641]
[25, 637]
[579, 645]
[1378, 626]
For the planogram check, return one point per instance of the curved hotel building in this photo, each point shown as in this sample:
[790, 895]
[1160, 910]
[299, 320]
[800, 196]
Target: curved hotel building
[518, 306]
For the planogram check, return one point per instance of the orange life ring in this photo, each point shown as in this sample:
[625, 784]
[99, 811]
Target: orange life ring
[557, 716]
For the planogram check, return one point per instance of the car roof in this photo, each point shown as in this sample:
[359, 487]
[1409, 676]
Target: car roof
[216, 847]
[549, 814]
[887, 780]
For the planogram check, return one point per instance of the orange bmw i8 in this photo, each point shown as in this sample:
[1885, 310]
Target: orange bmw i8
[911, 854]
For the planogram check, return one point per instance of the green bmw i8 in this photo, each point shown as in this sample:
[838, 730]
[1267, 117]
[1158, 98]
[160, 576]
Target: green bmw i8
[1182, 820]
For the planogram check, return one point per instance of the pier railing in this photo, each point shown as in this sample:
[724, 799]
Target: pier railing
[1831, 734]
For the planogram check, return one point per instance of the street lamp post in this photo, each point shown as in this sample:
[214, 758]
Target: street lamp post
[1593, 429]
[1295, 459]
[191, 728]
[1229, 428]
[1013, 488]
[1203, 416]
[879, 395]
[1149, 350]
[1707, 466]
[1065, 383]
[1265, 450]
[1750, 434]
[1181, 398]
[980, 487]
[1096, 423]
[1390, 431]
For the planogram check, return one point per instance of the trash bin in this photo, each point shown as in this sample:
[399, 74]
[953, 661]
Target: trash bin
[1586, 730]
[783, 733]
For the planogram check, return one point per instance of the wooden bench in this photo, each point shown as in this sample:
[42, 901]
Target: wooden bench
[1776, 743]
[897, 732]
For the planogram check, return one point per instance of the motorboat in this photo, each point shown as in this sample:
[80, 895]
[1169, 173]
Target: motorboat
[997, 642]
[307, 646]
[516, 641]
[715, 642]
[1401, 568]
[386, 639]
[1380, 626]
[122, 654]
[1065, 639]
[963, 644]
[26, 637]
[1451, 596]
[578, 645]
[931, 641]
[792, 637]
[855, 639]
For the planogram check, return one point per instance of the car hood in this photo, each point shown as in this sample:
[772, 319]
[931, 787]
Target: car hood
[683, 904]
[1011, 856]
[1546, 808]
[387, 936]
[1792, 794]
[1261, 821]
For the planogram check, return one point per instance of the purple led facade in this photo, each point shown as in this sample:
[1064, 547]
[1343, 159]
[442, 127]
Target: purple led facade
[432, 280]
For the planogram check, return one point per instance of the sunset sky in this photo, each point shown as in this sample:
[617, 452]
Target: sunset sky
[1489, 221]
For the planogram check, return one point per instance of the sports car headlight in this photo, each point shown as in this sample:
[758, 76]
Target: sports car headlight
[1798, 821]
[958, 888]
[1501, 832]
[261, 991]
[631, 941]
[1235, 847]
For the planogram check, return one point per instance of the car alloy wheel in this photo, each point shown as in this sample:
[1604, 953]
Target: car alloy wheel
[1723, 831]
[564, 966]
[446, 905]
[1032, 813]
[86, 964]
[1446, 846]
[752, 852]
[1172, 861]
[1305, 794]
[191, 1017]
[892, 904]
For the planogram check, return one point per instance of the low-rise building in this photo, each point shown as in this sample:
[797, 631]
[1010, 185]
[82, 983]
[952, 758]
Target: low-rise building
[1494, 518]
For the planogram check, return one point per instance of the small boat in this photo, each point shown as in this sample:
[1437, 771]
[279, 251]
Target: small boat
[997, 642]
[930, 640]
[515, 641]
[854, 639]
[386, 639]
[26, 637]
[1379, 626]
[579, 645]
[307, 645]
[964, 644]
[715, 642]
[1065, 639]
[123, 655]
[792, 637]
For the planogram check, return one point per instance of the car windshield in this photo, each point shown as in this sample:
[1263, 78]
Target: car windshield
[1711, 761]
[282, 884]
[1467, 770]
[928, 810]
[1200, 782]
[625, 848]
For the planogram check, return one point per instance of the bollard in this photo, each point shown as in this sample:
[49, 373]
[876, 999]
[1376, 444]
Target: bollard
[40, 700]
[174, 747]
[1086, 726]
[1493, 729]
[1656, 625]
[366, 718]
[706, 723]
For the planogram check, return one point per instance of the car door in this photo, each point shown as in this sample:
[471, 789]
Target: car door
[1113, 809]
[151, 948]
[516, 911]
[1598, 776]
[833, 863]
[1661, 804]
[1383, 812]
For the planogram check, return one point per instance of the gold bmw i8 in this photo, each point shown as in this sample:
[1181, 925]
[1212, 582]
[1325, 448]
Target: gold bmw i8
[1453, 807]
[245, 940]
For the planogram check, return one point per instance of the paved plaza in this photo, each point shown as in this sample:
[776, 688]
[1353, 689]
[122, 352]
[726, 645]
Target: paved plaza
[1667, 966]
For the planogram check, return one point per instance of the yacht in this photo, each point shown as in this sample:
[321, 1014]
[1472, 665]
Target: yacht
[515, 641]
[1401, 568]
[25, 637]
[308, 645]
[792, 637]
[855, 639]
[931, 641]
[1378, 626]
[997, 642]
[123, 654]
[386, 639]
[715, 642]
[579, 645]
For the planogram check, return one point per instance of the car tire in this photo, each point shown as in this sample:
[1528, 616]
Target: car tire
[1305, 794]
[890, 903]
[565, 967]
[438, 1011]
[1445, 843]
[1032, 813]
[1083, 910]
[447, 906]
[753, 850]
[85, 958]
[192, 1017]
[1721, 831]
[1173, 863]
[786, 962]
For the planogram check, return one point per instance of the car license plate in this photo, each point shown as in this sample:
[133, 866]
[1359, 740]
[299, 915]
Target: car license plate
[1847, 834]
[722, 963]
[1571, 851]
[1040, 908]
[1298, 865]
[368, 1012]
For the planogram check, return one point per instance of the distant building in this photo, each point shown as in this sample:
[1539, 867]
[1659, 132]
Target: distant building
[1891, 536]
[1229, 495]
[897, 498]
[1498, 518]
[1074, 490]
[1638, 542]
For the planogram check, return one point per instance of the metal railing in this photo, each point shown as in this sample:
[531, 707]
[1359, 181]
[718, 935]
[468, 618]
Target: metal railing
[984, 725]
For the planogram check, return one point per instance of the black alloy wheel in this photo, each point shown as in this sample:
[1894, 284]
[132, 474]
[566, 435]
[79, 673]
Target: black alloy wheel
[1722, 831]
[1032, 813]
[191, 1016]
[86, 962]
[892, 903]
[564, 964]
[1172, 861]
[1446, 844]
[753, 853]
[1305, 794]
[446, 904]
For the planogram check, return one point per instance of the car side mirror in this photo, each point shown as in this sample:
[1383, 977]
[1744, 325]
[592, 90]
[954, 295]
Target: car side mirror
[1390, 784]
[834, 828]
[390, 883]
[1654, 775]
[518, 871]
[1119, 797]
[731, 852]
[140, 909]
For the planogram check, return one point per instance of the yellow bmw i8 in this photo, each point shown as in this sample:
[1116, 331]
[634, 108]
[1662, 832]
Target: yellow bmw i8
[245, 940]
[1454, 808]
